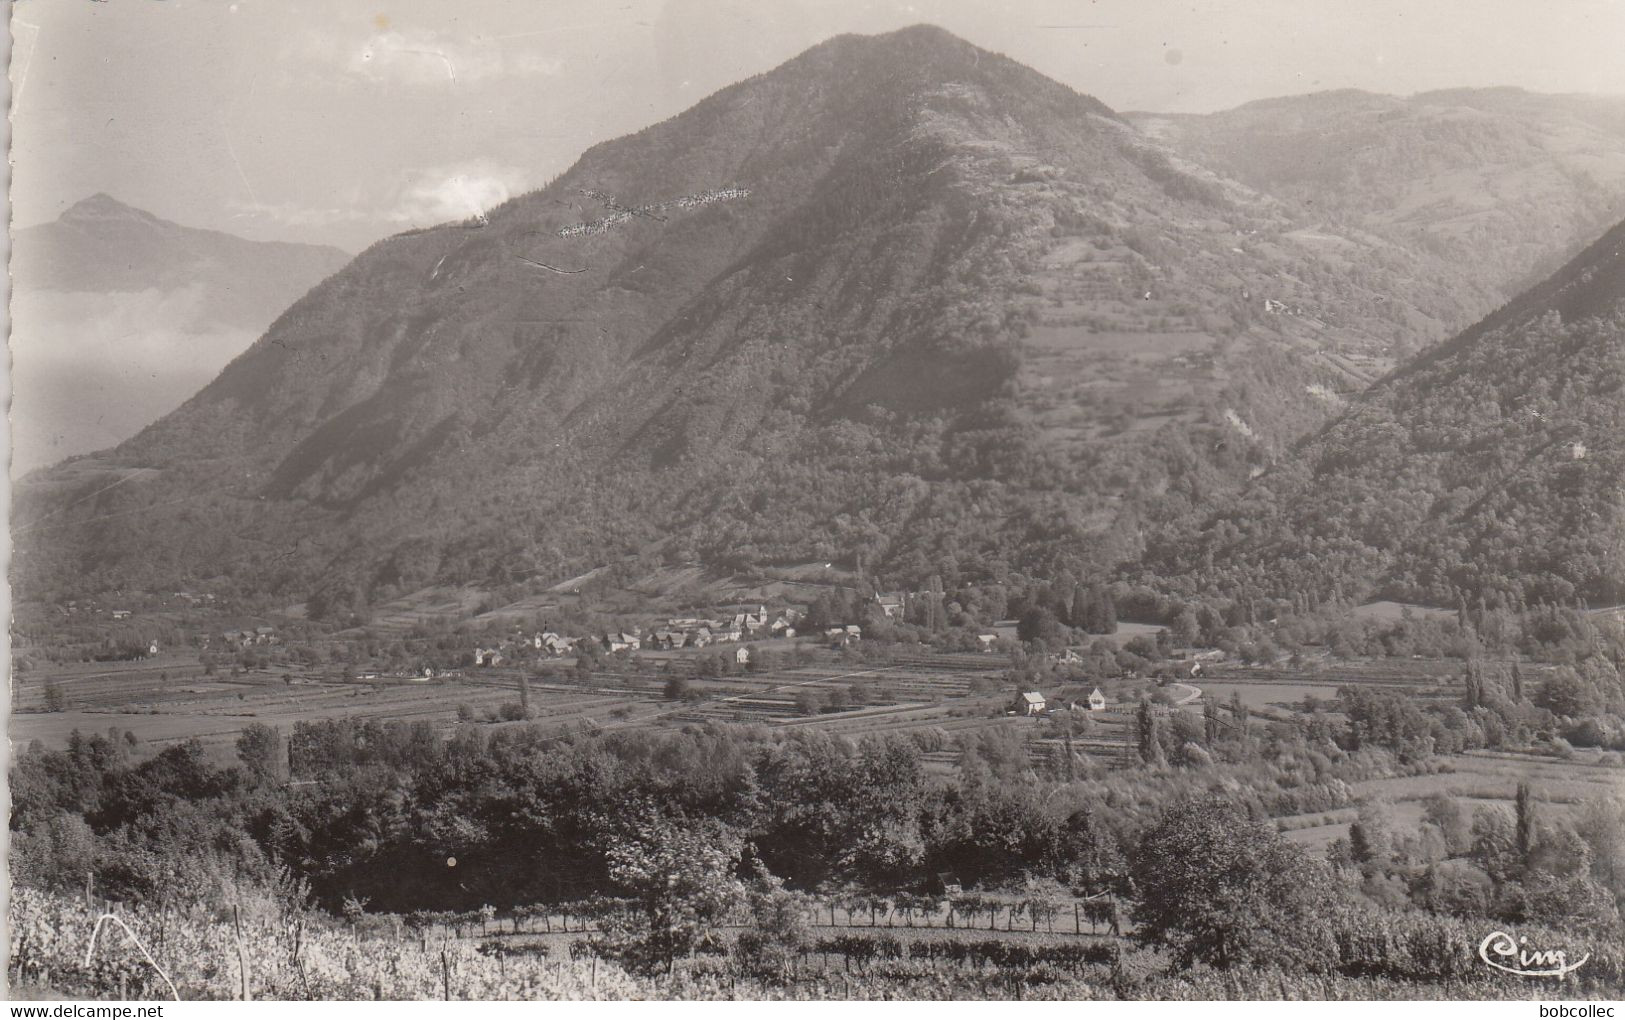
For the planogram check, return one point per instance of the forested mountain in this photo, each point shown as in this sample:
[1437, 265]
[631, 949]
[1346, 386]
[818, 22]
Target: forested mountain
[1492, 468]
[119, 316]
[900, 299]
[1501, 184]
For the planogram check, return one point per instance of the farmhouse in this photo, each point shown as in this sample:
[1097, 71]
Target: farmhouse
[622, 642]
[487, 657]
[1097, 701]
[1030, 703]
[666, 639]
[892, 603]
[121, 614]
[742, 656]
[842, 637]
[987, 641]
[555, 644]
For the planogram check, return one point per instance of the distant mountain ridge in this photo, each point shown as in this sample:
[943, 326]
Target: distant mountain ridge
[120, 315]
[953, 311]
[100, 244]
[1504, 183]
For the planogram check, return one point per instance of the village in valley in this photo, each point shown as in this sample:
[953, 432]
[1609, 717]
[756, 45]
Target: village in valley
[884, 662]
[784, 664]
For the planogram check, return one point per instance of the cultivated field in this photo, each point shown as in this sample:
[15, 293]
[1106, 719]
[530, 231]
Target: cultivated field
[1476, 779]
[169, 698]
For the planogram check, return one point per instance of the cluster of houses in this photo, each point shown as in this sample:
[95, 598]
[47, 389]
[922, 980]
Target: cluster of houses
[547, 642]
[247, 637]
[678, 632]
[693, 632]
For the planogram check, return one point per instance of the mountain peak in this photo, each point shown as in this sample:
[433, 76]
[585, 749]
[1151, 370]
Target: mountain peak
[925, 56]
[922, 33]
[102, 207]
[915, 44]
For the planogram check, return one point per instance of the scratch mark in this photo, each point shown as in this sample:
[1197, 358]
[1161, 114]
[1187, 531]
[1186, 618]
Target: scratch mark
[544, 265]
[22, 78]
[225, 129]
[451, 72]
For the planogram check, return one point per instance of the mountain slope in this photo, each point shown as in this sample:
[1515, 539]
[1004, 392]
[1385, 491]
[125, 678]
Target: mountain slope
[900, 299]
[1493, 467]
[119, 316]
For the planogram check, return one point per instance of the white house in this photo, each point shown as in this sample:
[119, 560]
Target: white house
[742, 656]
[1031, 703]
[1097, 701]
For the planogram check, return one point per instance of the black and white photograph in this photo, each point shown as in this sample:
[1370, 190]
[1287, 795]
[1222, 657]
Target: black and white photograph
[1109, 501]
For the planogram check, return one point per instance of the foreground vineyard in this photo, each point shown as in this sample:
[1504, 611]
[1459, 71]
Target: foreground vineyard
[265, 951]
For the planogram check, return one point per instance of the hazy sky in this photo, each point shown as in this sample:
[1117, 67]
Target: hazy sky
[340, 122]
